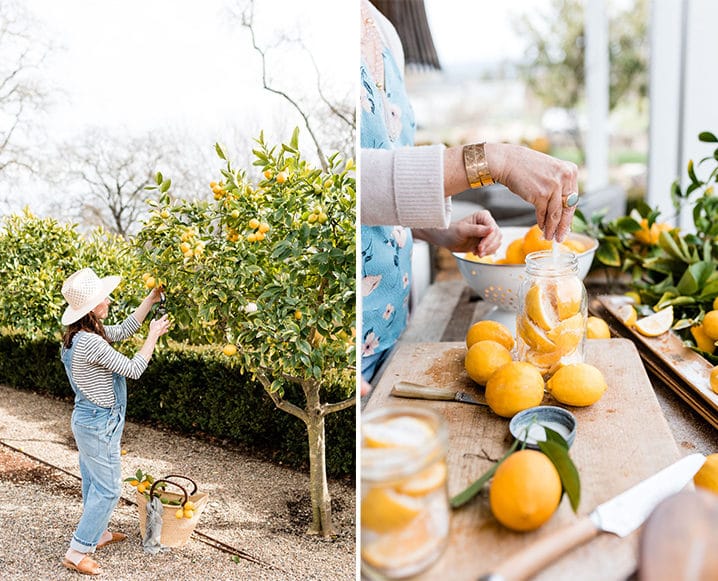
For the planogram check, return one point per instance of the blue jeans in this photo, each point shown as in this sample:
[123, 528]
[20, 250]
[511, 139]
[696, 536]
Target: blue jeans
[97, 433]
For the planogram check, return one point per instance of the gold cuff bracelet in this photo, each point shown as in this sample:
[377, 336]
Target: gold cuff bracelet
[477, 170]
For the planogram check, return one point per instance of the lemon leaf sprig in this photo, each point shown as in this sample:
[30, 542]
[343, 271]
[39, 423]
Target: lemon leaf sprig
[555, 447]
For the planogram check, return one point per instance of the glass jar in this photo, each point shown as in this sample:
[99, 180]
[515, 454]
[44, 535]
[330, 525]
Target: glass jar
[551, 322]
[404, 496]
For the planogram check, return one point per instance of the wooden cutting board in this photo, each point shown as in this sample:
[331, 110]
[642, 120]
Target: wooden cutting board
[620, 440]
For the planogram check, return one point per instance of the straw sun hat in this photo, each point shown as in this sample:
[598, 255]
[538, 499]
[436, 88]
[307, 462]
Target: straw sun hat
[83, 291]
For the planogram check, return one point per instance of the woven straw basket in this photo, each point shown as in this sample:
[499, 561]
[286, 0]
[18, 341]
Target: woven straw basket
[175, 531]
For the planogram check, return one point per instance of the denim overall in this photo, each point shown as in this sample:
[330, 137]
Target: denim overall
[97, 432]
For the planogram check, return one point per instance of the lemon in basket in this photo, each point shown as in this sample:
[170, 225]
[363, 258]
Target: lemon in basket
[489, 331]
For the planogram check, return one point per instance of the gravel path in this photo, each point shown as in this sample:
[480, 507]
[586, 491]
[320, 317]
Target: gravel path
[255, 506]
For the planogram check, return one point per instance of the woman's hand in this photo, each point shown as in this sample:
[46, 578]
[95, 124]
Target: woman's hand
[477, 233]
[159, 327]
[155, 295]
[540, 179]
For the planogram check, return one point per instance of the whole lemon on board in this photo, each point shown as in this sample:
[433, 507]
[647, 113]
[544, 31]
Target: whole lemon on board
[577, 384]
[489, 331]
[707, 476]
[525, 491]
[597, 328]
[483, 358]
[514, 387]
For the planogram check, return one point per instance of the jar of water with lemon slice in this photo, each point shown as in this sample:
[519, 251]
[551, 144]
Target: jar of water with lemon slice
[551, 323]
[404, 499]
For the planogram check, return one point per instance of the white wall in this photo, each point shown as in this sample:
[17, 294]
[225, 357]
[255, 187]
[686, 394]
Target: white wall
[683, 93]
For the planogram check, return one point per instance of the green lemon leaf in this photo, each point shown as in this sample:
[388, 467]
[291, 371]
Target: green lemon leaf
[566, 470]
[554, 436]
[473, 489]
[609, 255]
[707, 137]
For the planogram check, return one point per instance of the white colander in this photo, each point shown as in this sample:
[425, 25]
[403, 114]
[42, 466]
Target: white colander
[499, 284]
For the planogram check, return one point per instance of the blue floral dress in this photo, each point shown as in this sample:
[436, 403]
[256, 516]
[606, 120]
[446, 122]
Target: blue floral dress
[387, 122]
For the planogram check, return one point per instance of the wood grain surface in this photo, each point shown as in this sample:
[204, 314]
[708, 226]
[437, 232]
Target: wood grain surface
[620, 440]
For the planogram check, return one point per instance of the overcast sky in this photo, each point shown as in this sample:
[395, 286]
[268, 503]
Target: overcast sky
[140, 63]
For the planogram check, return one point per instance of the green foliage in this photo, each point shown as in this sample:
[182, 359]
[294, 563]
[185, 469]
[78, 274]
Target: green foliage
[194, 391]
[668, 267]
[37, 255]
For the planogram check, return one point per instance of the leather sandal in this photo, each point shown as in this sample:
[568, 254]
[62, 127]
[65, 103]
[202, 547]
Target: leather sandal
[116, 538]
[87, 566]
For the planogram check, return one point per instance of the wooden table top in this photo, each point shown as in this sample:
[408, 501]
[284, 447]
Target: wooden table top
[448, 309]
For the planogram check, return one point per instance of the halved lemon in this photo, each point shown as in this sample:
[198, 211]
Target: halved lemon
[383, 510]
[627, 315]
[533, 336]
[398, 432]
[405, 547]
[426, 481]
[569, 295]
[656, 324]
[568, 334]
[539, 306]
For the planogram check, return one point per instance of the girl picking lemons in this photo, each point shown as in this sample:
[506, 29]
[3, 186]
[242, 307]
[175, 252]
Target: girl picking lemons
[97, 376]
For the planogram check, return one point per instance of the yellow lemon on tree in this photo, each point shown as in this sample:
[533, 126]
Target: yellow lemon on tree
[710, 324]
[707, 476]
[577, 384]
[514, 387]
[253, 224]
[597, 328]
[229, 350]
[150, 282]
[525, 491]
[483, 358]
[383, 509]
[489, 331]
[715, 304]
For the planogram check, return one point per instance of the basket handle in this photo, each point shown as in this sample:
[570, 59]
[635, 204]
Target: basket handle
[182, 488]
[194, 484]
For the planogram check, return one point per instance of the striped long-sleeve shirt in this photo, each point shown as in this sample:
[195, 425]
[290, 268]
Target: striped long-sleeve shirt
[94, 361]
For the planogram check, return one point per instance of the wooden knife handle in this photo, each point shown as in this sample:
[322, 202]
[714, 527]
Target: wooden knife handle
[407, 389]
[544, 552]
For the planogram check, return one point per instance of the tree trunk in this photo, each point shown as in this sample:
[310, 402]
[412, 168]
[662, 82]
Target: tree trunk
[319, 490]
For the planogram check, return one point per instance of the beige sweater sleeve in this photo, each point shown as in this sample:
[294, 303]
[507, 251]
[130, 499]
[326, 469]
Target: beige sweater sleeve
[404, 186]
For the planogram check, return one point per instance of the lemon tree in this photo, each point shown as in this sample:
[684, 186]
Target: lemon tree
[669, 267]
[268, 266]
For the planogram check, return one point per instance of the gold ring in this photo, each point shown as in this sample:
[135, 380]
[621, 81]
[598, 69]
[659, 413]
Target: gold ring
[571, 200]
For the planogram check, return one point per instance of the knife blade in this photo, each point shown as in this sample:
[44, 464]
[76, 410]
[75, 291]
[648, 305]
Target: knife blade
[620, 515]
[418, 391]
